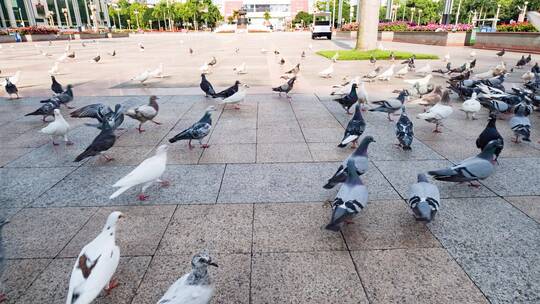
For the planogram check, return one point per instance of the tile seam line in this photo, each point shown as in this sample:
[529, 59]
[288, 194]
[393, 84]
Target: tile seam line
[153, 255]
[348, 250]
[301, 130]
[212, 130]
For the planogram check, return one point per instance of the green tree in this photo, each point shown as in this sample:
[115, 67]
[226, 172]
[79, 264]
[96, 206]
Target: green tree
[346, 13]
[266, 16]
[304, 17]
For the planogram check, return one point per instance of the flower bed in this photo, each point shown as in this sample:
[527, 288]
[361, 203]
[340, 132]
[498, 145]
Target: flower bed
[402, 26]
[516, 27]
[36, 30]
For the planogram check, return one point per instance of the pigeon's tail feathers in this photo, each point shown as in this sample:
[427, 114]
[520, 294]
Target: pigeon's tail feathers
[334, 180]
[181, 136]
[347, 140]
[333, 227]
[36, 112]
[442, 174]
[119, 191]
[82, 156]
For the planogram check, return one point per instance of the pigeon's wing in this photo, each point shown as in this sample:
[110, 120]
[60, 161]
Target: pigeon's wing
[424, 190]
[146, 111]
[99, 261]
[200, 130]
[149, 170]
[187, 294]
[475, 167]
[91, 111]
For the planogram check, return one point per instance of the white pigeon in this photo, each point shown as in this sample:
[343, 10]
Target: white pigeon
[471, 106]
[194, 287]
[380, 47]
[42, 52]
[327, 73]
[264, 51]
[344, 89]
[146, 173]
[386, 75]
[54, 69]
[486, 74]
[420, 81]
[528, 76]
[95, 265]
[158, 72]
[424, 70]
[335, 57]
[472, 54]
[237, 97]
[363, 96]
[402, 72]
[310, 46]
[446, 57]
[438, 112]
[241, 69]
[205, 68]
[142, 77]
[58, 128]
[62, 58]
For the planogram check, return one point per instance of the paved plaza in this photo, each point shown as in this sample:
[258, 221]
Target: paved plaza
[254, 199]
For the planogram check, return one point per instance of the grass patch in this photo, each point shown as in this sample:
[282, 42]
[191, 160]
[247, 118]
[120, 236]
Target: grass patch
[378, 54]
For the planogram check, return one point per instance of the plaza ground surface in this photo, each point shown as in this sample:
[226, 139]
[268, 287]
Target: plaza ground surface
[255, 197]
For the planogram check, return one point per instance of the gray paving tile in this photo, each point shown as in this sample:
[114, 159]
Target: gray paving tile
[386, 225]
[318, 135]
[19, 275]
[181, 154]
[42, 233]
[484, 226]
[52, 285]
[218, 228]
[530, 205]
[279, 134]
[123, 156]
[513, 177]
[20, 186]
[293, 227]
[137, 234]
[189, 184]
[402, 276]
[506, 279]
[10, 154]
[229, 154]
[230, 279]
[401, 174]
[322, 152]
[294, 182]
[308, 277]
[283, 153]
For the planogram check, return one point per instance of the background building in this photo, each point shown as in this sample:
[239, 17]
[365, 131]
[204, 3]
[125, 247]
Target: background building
[280, 10]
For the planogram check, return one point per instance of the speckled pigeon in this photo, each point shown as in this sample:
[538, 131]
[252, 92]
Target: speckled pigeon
[404, 131]
[424, 199]
[206, 86]
[198, 130]
[355, 128]
[391, 105]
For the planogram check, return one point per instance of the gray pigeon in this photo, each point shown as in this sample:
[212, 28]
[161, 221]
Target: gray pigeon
[198, 130]
[361, 162]
[103, 142]
[391, 105]
[63, 98]
[56, 87]
[3, 296]
[144, 113]
[194, 287]
[355, 128]
[286, 87]
[521, 125]
[11, 88]
[475, 168]
[102, 113]
[404, 130]
[47, 109]
[424, 199]
[351, 198]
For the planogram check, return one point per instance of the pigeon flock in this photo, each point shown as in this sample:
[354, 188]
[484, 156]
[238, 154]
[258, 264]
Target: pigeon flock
[97, 262]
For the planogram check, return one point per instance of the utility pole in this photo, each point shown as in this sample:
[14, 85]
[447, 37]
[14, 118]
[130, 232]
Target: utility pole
[340, 12]
[447, 13]
[388, 15]
[458, 11]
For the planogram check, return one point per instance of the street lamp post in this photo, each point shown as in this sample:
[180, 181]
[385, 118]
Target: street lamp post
[20, 15]
[404, 10]
[119, 21]
[150, 21]
[419, 15]
[412, 13]
[64, 11]
[136, 12]
[129, 24]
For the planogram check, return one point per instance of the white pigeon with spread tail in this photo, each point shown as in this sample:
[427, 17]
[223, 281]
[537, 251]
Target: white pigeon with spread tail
[145, 174]
[95, 265]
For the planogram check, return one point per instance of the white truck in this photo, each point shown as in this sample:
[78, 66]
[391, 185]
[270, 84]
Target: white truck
[321, 25]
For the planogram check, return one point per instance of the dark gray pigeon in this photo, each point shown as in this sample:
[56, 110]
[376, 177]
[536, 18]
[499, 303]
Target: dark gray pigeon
[11, 88]
[355, 128]
[424, 199]
[348, 100]
[63, 98]
[198, 130]
[475, 168]
[361, 162]
[351, 198]
[228, 91]
[56, 87]
[103, 142]
[102, 113]
[404, 131]
[286, 87]
[521, 125]
[206, 86]
[390, 105]
[490, 133]
[47, 109]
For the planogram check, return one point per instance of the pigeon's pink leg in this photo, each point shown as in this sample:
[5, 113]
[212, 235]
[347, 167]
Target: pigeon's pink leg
[349, 222]
[472, 184]
[237, 107]
[205, 146]
[3, 297]
[390, 118]
[107, 158]
[142, 197]
[112, 284]
[189, 144]
[437, 129]
[140, 130]
[164, 183]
